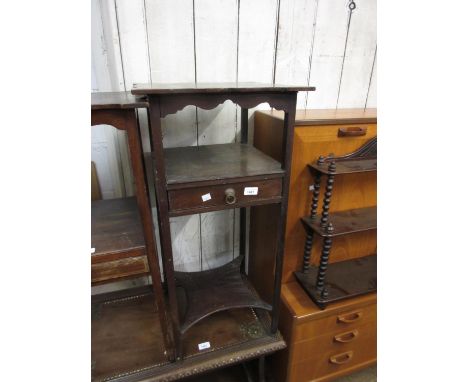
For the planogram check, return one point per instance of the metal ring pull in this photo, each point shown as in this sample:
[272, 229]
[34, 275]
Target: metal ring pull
[230, 196]
[352, 5]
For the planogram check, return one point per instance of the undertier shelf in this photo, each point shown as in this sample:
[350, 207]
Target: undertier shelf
[207, 292]
[344, 280]
[344, 222]
[127, 342]
[211, 163]
[116, 229]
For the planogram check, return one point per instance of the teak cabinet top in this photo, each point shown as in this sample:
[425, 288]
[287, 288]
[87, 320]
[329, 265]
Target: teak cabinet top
[317, 117]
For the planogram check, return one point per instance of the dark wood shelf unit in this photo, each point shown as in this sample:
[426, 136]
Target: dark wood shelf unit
[351, 166]
[344, 222]
[193, 180]
[345, 279]
[226, 287]
[127, 345]
[316, 280]
[116, 230]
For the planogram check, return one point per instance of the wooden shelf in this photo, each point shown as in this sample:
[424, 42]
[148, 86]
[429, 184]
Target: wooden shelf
[215, 290]
[213, 164]
[116, 229]
[214, 88]
[345, 279]
[344, 222]
[127, 345]
[117, 237]
[351, 166]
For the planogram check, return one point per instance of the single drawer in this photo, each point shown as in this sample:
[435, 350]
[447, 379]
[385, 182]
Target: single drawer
[337, 322]
[231, 195]
[112, 270]
[331, 355]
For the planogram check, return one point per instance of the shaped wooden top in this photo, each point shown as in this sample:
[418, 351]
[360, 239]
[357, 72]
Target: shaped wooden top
[213, 88]
[117, 100]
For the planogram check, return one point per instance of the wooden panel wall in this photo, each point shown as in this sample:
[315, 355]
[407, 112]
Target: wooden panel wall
[315, 42]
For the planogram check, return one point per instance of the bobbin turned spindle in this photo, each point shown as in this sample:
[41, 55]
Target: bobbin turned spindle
[328, 194]
[327, 242]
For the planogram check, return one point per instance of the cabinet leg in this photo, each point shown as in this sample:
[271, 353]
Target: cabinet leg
[261, 369]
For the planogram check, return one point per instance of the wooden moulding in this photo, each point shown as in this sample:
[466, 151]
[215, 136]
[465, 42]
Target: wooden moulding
[344, 222]
[127, 340]
[215, 290]
[344, 280]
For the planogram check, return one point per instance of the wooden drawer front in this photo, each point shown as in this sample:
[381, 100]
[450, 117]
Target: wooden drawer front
[190, 200]
[111, 270]
[342, 321]
[325, 356]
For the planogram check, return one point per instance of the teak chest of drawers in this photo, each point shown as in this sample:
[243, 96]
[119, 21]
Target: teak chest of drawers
[325, 344]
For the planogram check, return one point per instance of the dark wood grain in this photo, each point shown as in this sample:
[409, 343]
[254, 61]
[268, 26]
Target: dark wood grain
[214, 290]
[222, 87]
[345, 222]
[116, 229]
[128, 267]
[117, 100]
[344, 280]
[126, 341]
[217, 162]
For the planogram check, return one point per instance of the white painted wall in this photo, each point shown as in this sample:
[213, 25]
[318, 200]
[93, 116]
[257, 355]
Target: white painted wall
[301, 42]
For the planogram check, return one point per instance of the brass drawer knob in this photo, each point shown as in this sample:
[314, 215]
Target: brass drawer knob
[230, 196]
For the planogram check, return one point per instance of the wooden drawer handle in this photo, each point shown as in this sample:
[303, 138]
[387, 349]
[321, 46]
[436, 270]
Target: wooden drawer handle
[346, 337]
[342, 358]
[230, 196]
[349, 317]
[352, 131]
